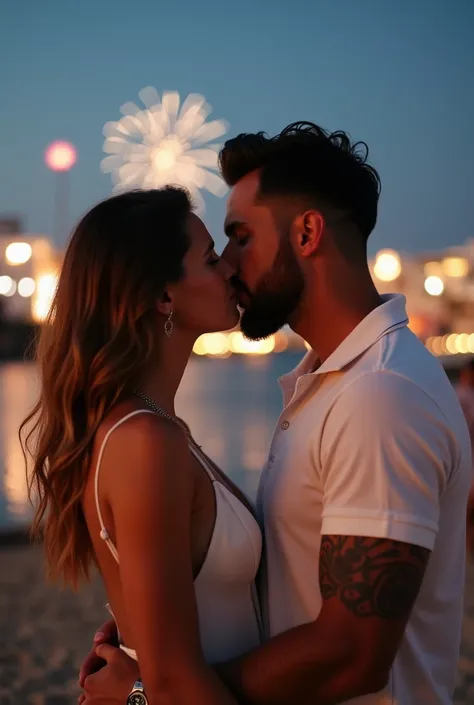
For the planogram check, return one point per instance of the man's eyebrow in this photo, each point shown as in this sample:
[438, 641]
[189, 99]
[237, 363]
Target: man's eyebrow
[231, 225]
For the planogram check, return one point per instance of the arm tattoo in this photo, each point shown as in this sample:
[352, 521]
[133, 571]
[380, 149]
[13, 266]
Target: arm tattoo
[371, 577]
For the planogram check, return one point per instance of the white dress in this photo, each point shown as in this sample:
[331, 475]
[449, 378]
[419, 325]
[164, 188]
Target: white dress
[227, 603]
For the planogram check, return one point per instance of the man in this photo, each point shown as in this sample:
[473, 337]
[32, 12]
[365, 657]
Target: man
[369, 465]
[465, 392]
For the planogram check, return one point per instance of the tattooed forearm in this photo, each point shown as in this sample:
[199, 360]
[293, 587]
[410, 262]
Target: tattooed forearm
[371, 577]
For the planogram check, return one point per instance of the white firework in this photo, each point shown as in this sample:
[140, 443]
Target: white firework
[163, 144]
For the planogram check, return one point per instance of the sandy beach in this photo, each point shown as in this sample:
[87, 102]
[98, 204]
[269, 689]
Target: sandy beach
[45, 633]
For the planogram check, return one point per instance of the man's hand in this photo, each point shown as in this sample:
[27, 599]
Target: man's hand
[106, 634]
[112, 684]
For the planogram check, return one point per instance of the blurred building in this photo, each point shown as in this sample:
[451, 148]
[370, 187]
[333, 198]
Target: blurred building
[439, 287]
[29, 266]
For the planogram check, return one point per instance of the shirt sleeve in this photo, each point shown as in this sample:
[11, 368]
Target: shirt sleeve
[385, 452]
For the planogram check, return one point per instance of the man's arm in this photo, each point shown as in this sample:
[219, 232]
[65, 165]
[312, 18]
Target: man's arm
[382, 452]
[368, 588]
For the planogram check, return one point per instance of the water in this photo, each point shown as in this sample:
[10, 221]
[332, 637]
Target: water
[230, 405]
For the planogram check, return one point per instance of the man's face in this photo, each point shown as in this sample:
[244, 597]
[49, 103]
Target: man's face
[269, 282]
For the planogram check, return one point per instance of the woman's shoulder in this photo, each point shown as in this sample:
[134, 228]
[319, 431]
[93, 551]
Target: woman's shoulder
[132, 439]
[133, 422]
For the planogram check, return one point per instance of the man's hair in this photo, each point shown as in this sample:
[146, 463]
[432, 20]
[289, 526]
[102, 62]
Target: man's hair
[306, 161]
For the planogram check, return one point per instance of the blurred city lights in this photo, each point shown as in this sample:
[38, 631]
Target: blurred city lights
[164, 143]
[451, 344]
[26, 287]
[18, 253]
[211, 344]
[60, 156]
[451, 341]
[387, 266]
[240, 344]
[434, 285]
[45, 290]
[224, 344]
[7, 286]
[432, 269]
[455, 266]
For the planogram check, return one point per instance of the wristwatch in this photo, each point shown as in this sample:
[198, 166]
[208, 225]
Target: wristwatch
[137, 695]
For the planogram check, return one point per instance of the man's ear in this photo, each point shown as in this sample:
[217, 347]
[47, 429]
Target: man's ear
[308, 229]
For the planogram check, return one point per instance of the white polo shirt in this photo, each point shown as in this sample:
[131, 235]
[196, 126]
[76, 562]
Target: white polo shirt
[373, 443]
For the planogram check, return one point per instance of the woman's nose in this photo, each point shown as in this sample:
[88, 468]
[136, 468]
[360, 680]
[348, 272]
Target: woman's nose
[229, 259]
[229, 255]
[228, 269]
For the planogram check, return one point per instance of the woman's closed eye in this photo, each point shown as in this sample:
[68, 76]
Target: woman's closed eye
[213, 259]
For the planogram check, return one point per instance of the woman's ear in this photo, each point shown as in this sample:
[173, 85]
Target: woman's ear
[165, 305]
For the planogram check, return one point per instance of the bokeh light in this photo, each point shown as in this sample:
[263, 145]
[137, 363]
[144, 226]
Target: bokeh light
[45, 290]
[240, 344]
[26, 287]
[387, 266]
[455, 266]
[60, 156]
[434, 285]
[7, 286]
[212, 344]
[18, 253]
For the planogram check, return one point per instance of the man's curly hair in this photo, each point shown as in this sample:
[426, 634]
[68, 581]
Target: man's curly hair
[305, 160]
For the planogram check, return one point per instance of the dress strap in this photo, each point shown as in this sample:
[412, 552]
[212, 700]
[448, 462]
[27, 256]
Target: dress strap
[104, 534]
[203, 461]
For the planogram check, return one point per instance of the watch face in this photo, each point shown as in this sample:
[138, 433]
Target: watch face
[137, 699]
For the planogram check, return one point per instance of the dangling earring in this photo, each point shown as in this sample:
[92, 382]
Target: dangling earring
[169, 324]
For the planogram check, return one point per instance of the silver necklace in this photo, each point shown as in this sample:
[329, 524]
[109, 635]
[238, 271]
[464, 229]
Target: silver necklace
[158, 410]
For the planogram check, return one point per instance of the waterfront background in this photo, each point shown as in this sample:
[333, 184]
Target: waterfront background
[393, 74]
[230, 404]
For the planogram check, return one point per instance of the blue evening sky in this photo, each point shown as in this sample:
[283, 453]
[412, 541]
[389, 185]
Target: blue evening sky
[398, 74]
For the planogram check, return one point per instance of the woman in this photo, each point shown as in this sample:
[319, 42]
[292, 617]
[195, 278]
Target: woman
[121, 482]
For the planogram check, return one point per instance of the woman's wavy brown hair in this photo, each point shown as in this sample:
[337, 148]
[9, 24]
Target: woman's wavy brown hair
[99, 336]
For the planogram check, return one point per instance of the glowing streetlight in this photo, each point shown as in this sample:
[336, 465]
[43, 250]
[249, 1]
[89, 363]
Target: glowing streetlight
[434, 286]
[60, 157]
[387, 266]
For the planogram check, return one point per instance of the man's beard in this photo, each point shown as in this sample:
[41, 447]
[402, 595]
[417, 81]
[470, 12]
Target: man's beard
[276, 296]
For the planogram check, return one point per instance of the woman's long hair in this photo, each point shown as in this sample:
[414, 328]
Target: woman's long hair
[99, 336]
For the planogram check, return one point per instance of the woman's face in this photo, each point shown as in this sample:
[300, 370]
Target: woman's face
[204, 299]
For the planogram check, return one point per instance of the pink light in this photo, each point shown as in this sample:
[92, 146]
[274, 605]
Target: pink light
[60, 156]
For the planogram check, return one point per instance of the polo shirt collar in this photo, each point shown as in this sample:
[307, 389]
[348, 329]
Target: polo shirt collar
[390, 315]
